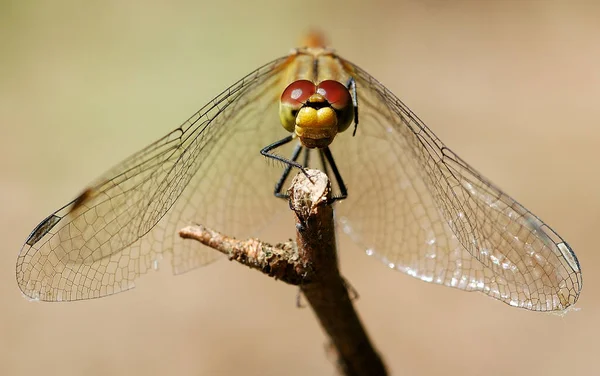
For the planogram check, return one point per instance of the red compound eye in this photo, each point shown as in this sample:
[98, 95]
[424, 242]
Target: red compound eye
[297, 93]
[336, 94]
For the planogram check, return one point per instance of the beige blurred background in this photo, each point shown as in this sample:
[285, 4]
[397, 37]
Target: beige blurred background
[513, 87]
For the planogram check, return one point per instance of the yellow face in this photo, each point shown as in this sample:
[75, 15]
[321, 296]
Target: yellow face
[316, 113]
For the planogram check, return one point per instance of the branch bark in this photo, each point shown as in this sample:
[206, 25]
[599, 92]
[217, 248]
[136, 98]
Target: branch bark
[312, 264]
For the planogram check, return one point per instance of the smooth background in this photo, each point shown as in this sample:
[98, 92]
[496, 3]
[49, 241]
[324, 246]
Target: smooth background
[512, 87]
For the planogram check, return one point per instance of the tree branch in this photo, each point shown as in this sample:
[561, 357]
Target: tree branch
[313, 265]
[279, 261]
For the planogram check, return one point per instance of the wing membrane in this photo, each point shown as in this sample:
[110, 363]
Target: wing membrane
[422, 210]
[119, 227]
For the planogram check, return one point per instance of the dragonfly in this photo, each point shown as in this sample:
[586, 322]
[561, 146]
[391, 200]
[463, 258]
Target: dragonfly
[402, 195]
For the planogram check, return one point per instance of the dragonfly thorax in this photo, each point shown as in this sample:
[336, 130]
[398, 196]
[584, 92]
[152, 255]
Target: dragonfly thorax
[316, 113]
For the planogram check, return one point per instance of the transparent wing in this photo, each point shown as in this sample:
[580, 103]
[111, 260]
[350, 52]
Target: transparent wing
[422, 210]
[208, 171]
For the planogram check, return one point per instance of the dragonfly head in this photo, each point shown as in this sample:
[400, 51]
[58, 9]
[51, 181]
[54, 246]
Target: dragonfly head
[316, 113]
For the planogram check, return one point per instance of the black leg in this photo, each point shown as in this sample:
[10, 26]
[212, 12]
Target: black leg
[306, 157]
[265, 151]
[351, 85]
[326, 158]
[323, 162]
[279, 186]
[336, 173]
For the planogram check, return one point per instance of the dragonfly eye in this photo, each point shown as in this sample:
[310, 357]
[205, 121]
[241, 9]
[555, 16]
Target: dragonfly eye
[292, 99]
[340, 100]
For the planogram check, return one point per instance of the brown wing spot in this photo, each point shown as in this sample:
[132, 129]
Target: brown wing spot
[84, 197]
[42, 229]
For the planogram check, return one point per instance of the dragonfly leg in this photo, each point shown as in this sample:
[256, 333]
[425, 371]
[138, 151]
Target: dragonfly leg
[336, 173]
[279, 186]
[351, 85]
[306, 157]
[323, 162]
[265, 151]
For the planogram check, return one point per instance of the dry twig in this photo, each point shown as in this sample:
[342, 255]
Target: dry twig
[313, 266]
